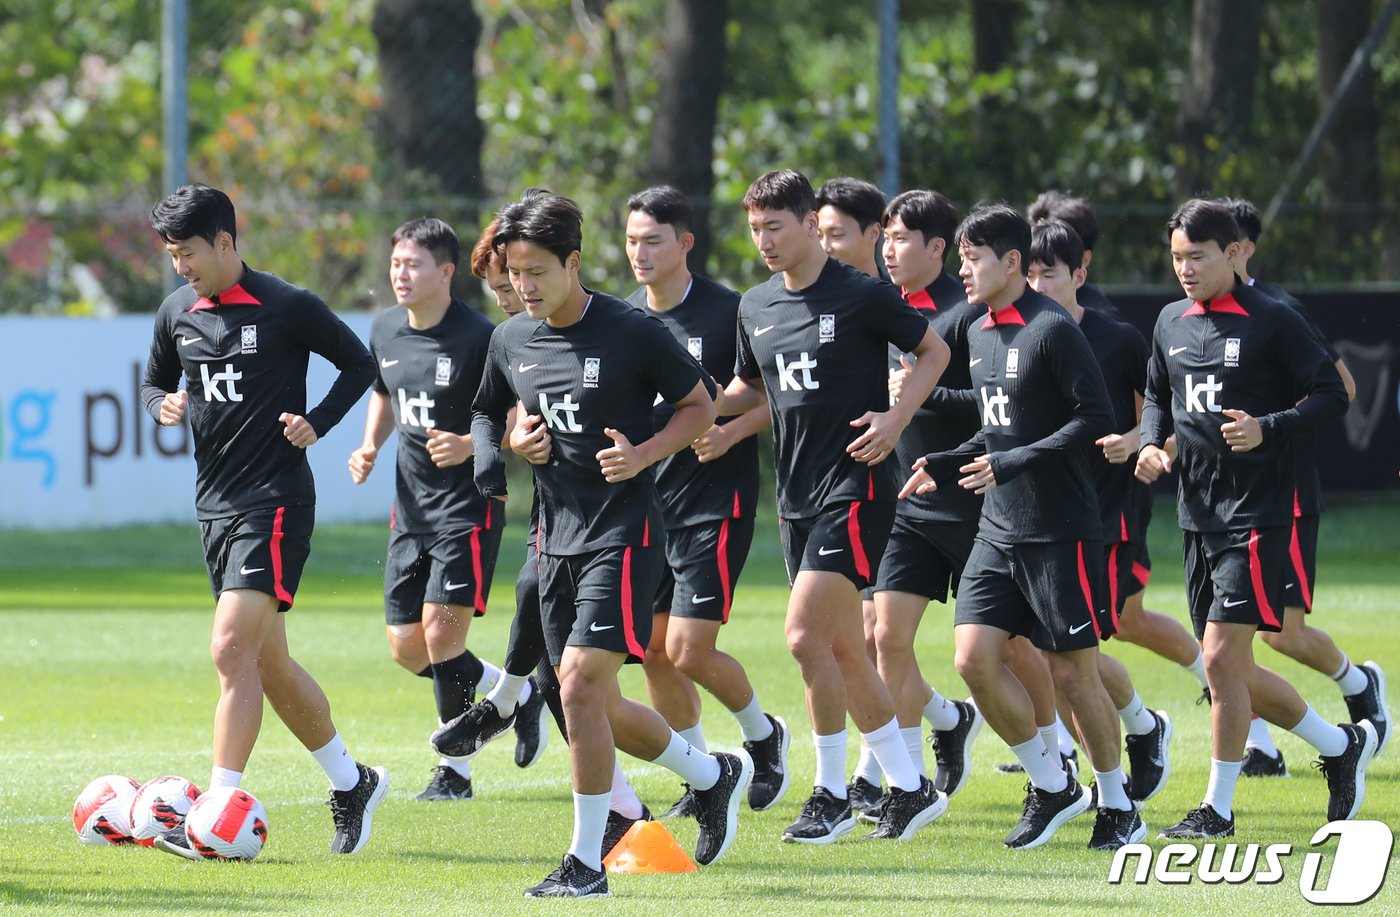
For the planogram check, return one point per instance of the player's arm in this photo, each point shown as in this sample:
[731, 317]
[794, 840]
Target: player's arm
[1348, 380]
[882, 428]
[715, 442]
[745, 390]
[941, 468]
[1315, 379]
[494, 401]
[322, 332]
[694, 414]
[1156, 434]
[165, 404]
[379, 423]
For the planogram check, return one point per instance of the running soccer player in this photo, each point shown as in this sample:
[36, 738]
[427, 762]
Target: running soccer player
[709, 494]
[1236, 376]
[242, 339]
[594, 365]
[444, 535]
[1363, 686]
[1079, 214]
[1036, 566]
[814, 340]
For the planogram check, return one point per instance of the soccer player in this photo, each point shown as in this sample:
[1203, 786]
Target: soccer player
[1363, 686]
[932, 533]
[709, 494]
[1236, 376]
[1079, 214]
[815, 339]
[1036, 566]
[848, 222]
[242, 339]
[594, 365]
[444, 535]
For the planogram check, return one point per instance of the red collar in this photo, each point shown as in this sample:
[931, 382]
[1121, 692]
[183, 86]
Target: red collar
[1226, 303]
[233, 296]
[1006, 316]
[919, 299]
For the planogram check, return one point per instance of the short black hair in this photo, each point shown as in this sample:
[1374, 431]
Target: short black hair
[665, 204]
[551, 221]
[434, 235]
[1206, 221]
[1076, 211]
[1056, 240]
[781, 189]
[924, 211]
[860, 200]
[1246, 217]
[195, 211]
[1000, 227]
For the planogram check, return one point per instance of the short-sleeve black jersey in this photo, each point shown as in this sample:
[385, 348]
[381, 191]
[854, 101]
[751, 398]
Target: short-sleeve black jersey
[821, 353]
[693, 491]
[430, 376]
[950, 416]
[1247, 352]
[1043, 404]
[605, 370]
[1095, 300]
[244, 355]
[1122, 354]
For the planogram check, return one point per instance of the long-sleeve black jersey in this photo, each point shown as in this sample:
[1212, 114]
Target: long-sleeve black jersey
[950, 414]
[1095, 300]
[430, 376]
[727, 488]
[1122, 353]
[244, 355]
[821, 353]
[1043, 404]
[605, 370]
[1247, 352]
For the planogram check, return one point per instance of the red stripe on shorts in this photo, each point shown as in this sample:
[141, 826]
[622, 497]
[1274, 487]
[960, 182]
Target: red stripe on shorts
[1295, 554]
[629, 630]
[478, 603]
[1113, 582]
[722, 562]
[1141, 574]
[1256, 577]
[278, 589]
[857, 549]
[1088, 591]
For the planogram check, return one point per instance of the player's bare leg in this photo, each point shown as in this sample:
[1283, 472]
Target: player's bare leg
[242, 620]
[672, 692]
[1151, 630]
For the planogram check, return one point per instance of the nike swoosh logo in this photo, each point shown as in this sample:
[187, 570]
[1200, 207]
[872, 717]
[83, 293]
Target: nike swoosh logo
[449, 586]
[385, 364]
[1075, 630]
[185, 342]
[1290, 585]
[825, 551]
[595, 628]
[1176, 350]
[1229, 604]
[974, 362]
[698, 600]
[525, 368]
[759, 332]
[247, 571]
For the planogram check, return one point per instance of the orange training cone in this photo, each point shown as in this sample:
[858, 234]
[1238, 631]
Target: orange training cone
[648, 847]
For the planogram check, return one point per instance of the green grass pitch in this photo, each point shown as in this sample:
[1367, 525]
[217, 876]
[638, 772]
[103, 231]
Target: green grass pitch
[104, 669]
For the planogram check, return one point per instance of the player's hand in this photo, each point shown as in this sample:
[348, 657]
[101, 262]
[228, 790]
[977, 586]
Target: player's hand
[1152, 463]
[877, 442]
[919, 482]
[979, 477]
[1170, 447]
[298, 432]
[173, 407]
[448, 449]
[713, 443]
[362, 463]
[1117, 447]
[530, 440]
[897, 377]
[621, 460]
[1242, 433]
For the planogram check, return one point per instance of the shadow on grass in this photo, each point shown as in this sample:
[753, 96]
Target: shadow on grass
[73, 898]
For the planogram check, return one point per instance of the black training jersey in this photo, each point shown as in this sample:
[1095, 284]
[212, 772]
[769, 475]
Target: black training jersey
[244, 355]
[693, 491]
[950, 415]
[821, 353]
[1122, 353]
[605, 370]
[1043, 404]
[430, 376]
[1247, 352]
[1092, 298]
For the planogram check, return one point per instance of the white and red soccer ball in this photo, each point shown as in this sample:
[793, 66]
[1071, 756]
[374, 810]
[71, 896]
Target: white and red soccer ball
[160, 806]
[102, 811]
[227, 823]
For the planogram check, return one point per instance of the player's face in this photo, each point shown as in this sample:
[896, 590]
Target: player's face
[207, 268]
[782, 239]
[418, 280]
[1056, 281]
[1204, 270]
[842, 239]
[912, 261]
[541, 281]
[498, 281]
[984, 275]
[655, 250]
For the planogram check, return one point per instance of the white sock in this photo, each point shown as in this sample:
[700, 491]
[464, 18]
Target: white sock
[753, 722]
[888, 746]
[490, 677]
[340, 768]
[1329, 740]
[831, 762]
[1137, 721]
[1220, 792]
[866, 766]
[462, 766]
[1111, 792]
[1050, 735]
[914, 742]
[624, 798]
[1042, 766]
[941, 715]
[695, 735]
[1063, 737]
[222, 776]
[1260, 738]
[1350, 678]
[590, 820]
[1198, 668]
[509, 692]
[692, 765]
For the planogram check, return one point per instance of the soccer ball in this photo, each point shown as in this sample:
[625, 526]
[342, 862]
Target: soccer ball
[226, 824]
[102, 811]
[160, 806]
